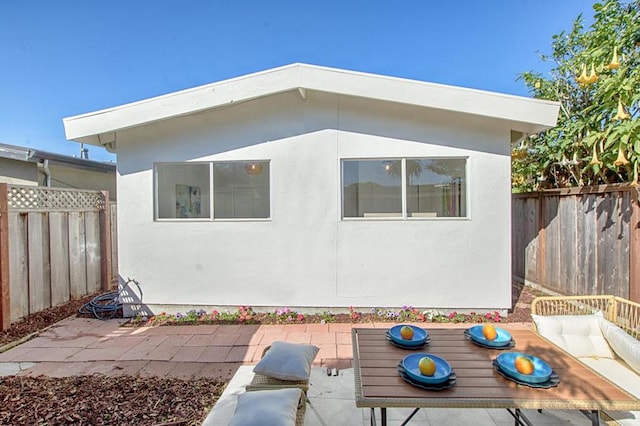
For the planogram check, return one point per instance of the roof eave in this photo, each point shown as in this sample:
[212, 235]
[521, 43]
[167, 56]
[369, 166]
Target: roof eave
[99, 127]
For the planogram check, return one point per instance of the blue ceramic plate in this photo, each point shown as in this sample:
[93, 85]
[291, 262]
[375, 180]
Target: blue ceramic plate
[387, 336]
[503, 337]
[419, 335]
[541, 370]
[410, 365]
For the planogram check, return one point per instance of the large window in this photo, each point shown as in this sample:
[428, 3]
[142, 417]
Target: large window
[404, 188]
[219, 190]
[241, 190]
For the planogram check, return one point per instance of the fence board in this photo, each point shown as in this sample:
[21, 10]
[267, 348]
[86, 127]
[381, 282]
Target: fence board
[552, 242]
[39, 293]
[532, 216]
[617, 273]
[605, 256]
[586, 245]
[77, 261]
[92, 251]
[113, 211]
[19, 282]
[59, 245]
[567, 245]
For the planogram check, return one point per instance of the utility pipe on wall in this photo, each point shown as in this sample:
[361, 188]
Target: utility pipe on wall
[47, 173]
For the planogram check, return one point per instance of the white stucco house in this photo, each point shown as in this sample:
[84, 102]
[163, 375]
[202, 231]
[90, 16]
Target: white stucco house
[313, 187]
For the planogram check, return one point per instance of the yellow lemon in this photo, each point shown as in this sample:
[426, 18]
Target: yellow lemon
[427, 366]
[406, 332]
[524, 365]
[489, 332]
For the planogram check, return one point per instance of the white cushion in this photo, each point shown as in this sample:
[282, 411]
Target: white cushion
[287, 361]
[616, 372]
[624, 345]
[267, 408]
[579, 335]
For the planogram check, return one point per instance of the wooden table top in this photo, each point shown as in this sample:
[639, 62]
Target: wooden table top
[478, 385]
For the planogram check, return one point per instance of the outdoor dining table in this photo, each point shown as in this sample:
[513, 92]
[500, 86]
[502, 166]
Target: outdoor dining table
[478, 385]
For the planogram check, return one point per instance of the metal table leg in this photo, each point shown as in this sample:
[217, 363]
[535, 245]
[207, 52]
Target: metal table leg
[520, 418]
[410, 416]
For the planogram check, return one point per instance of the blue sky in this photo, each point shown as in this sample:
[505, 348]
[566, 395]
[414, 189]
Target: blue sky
[68, 57]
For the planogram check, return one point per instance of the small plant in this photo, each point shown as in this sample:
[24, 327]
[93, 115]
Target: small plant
[285, 316]
[353, 314]
[410, 314]
[245, 314]
[327, 317]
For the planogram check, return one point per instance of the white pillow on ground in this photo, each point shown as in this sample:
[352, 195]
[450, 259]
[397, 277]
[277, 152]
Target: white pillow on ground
[624, 345]
[287, 361]
[579, 335]
[267, 408]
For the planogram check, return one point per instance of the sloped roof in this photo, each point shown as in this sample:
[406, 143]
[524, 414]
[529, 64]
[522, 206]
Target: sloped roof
[525, 115]
[30, 155]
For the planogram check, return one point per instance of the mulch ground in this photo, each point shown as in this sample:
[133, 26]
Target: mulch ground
[131, 400]
[100, 400]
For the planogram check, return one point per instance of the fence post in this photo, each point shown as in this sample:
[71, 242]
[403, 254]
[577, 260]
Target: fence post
[541, 266]
[634, 247]
[5, 301]
[105, 243]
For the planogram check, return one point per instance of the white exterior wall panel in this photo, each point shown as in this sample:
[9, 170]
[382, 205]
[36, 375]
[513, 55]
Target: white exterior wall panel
[305, 255]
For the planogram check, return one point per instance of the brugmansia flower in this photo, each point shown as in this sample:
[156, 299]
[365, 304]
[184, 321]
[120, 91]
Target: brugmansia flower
[593, 77]
[594, 158]
[622, 114]
[634, 183]
[621, 160]
[615, 64]
[583, 79]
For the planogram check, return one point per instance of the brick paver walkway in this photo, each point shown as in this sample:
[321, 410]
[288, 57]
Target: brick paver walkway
[79, 346]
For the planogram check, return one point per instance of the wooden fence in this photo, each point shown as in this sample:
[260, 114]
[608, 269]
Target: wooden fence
[578, 241]
[55, 246]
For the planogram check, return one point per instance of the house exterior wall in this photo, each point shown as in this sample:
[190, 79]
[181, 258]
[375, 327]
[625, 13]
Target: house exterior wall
[67, 177]
[18, 172]
[306, 255]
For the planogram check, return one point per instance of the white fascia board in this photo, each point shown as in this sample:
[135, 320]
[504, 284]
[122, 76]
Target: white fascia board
[214, 95]
[531, 113]
[526, 114]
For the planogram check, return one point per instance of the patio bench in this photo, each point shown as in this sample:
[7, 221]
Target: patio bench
[600, 331]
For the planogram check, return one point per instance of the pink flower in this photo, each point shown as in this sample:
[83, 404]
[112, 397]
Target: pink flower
[300, 317]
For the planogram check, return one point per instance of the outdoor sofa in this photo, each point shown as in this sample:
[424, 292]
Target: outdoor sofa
[600, 331]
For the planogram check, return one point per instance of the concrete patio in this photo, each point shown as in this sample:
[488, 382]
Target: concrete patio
[80, 346]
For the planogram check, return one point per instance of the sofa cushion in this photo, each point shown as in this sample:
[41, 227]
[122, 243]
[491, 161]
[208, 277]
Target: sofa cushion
[616, 372]
[624, 345]
[579, 335]
[267, 408]
[287, 361]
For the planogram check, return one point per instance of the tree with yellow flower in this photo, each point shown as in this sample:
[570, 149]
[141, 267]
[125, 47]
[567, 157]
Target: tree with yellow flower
[596, 79]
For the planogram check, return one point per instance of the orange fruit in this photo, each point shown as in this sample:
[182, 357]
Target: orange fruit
[406, 332]
[489, 332]
[524, 365]
[427, 366]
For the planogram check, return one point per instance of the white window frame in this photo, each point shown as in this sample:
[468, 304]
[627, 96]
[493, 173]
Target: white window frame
[403, 168]
[211, 217]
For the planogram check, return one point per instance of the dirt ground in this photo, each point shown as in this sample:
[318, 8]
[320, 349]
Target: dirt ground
[132, 400]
